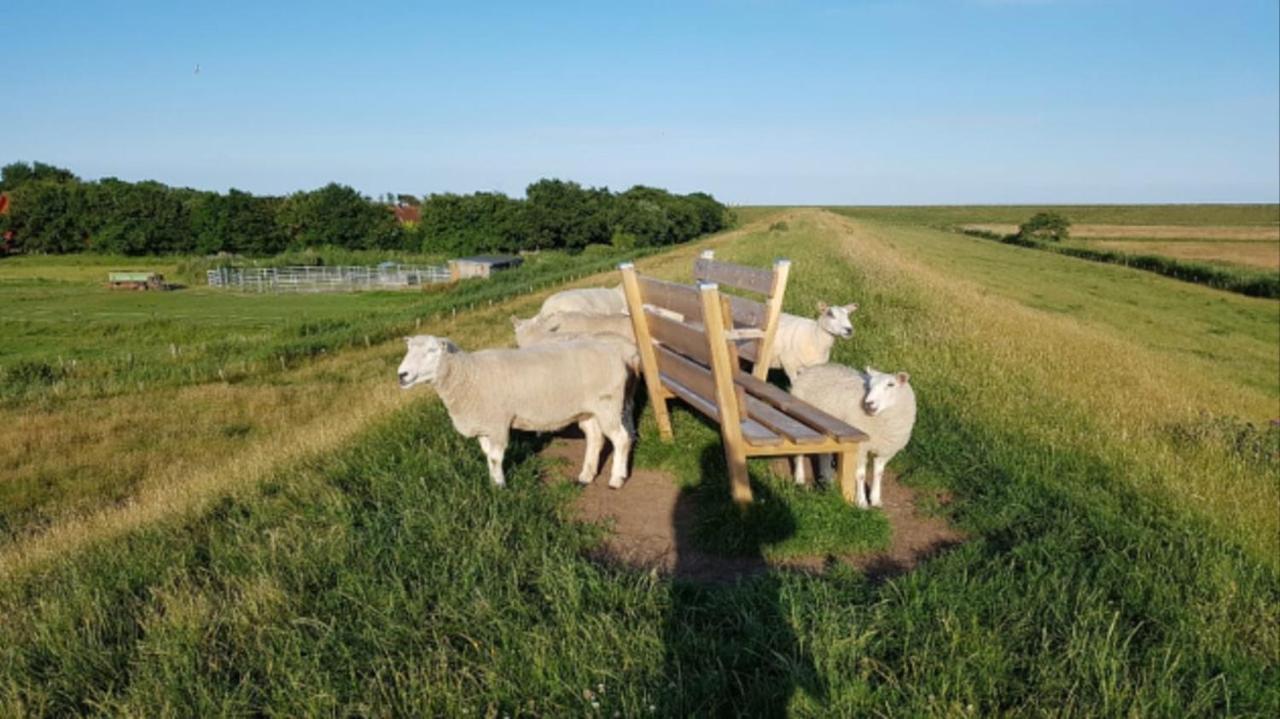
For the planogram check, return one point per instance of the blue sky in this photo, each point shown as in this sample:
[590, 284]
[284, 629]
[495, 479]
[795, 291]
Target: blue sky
[865, 102]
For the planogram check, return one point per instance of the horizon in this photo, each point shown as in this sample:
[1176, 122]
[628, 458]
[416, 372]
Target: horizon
[912, 103]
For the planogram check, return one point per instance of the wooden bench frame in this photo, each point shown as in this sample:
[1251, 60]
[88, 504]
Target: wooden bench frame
[688, 339]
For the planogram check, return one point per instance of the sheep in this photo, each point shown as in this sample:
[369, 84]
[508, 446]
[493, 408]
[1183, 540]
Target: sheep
[801, 343]
[543, 388]
[881, 404]
[588, 300]
[568, 325]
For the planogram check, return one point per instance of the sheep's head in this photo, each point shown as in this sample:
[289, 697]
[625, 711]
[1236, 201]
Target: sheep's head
[834, 319]
[882, 390]
[422, 362]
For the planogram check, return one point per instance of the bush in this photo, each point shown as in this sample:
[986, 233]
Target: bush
[1045, 226]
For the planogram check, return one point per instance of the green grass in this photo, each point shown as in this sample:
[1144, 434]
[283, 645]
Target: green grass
[951, 215]
[388, 578]
[69, 336]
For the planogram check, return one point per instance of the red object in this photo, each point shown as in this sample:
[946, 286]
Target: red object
[4, 203]
[407, 213]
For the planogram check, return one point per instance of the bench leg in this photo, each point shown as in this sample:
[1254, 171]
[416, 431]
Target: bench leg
[852, 478]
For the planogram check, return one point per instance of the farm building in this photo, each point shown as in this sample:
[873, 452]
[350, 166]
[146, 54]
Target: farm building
[481, 265]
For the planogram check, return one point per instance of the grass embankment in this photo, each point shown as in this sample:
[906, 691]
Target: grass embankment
[116, 396]
[388, 578]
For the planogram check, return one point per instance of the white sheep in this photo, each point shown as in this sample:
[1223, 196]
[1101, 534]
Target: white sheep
[541, 328]
[541, 389]
[589, 300]
[883, 405]
[801, 343]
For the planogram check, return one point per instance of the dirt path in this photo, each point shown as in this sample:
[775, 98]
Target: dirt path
[650, 519]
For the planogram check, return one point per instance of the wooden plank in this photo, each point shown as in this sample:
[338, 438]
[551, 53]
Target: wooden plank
[691, 375]
[799, 409]
[748, 313]
[726, 273]
[753, 432]
[791, 449]
[644, 343]
[671, 296]
[784, 425]
[684, 338]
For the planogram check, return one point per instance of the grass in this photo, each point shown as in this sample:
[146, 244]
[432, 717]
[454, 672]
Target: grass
[951, 215]
[384, 576]
[118, 395]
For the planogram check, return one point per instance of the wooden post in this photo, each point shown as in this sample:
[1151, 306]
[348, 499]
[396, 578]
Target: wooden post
[722, 370]
[644, 343]
[845, 474]
[773, 311]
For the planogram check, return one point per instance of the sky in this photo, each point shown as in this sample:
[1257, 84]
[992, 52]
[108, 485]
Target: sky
[757, 102]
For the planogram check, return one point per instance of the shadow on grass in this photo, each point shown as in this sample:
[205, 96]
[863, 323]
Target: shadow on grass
[730, 648]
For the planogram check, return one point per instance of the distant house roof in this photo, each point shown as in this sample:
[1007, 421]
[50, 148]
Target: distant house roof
[492, 260]
[4, 203]
[407, 213]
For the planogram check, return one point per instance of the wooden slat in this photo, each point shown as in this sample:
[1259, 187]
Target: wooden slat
[756, 434]
[684, 338]
[727, 273]
[784, 425]
[747, 313]
[800, 409]
[671, 296]
[688, 373]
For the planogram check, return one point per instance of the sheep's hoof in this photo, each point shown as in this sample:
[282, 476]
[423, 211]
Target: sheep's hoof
[584, 481]
[616, 482]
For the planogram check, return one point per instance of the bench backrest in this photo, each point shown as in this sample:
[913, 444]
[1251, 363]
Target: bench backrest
[749, 314]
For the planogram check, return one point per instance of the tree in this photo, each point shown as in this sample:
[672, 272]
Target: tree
[16, 174]
[237, 222]
[340, 216]
[1045, 226]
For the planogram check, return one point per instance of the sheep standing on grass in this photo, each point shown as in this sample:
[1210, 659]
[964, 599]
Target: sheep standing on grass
[881, 404]
[802, 343]
[540, 389]
[588, 300]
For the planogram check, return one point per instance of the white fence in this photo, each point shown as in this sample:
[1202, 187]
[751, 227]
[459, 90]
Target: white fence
[326, 279]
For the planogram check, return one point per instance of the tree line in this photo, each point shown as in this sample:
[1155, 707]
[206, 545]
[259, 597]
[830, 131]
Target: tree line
[51, 210]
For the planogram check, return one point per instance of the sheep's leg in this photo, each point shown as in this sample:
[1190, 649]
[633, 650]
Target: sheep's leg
[494, 449]
[801, 473]
[877, 474]
[620, 438]
[824, 463]
[595, 442]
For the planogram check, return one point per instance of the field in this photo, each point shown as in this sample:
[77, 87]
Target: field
[1244, 238]
[223, 505]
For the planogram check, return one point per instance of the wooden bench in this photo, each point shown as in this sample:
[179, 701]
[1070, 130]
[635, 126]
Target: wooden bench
[692, 340]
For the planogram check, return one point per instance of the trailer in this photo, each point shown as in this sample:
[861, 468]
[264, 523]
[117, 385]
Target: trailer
[136, 281]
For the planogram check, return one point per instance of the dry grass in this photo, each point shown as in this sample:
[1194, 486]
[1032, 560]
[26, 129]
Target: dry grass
[1153, 232]
[1253, 254]
[1070, 382]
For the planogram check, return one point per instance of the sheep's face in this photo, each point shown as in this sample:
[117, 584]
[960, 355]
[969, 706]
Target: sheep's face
[422, 362]
[882, 390]
[524, 329]
[834, 319]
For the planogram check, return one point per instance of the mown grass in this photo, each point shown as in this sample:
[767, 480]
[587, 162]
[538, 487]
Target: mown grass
[388, 578]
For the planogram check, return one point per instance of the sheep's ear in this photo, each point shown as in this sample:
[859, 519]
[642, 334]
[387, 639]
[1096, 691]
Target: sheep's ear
[851, 307]
[903, 378]
[515, 321]
[448, 346]
[823, 306]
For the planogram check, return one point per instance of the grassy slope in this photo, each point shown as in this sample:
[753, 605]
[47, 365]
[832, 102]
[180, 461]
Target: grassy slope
[1101, 214]
[388, 578]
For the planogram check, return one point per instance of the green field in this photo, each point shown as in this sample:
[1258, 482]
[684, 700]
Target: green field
[329, 545]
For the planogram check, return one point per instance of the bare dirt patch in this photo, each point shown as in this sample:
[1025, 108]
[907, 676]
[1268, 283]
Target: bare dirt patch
[651, 521]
